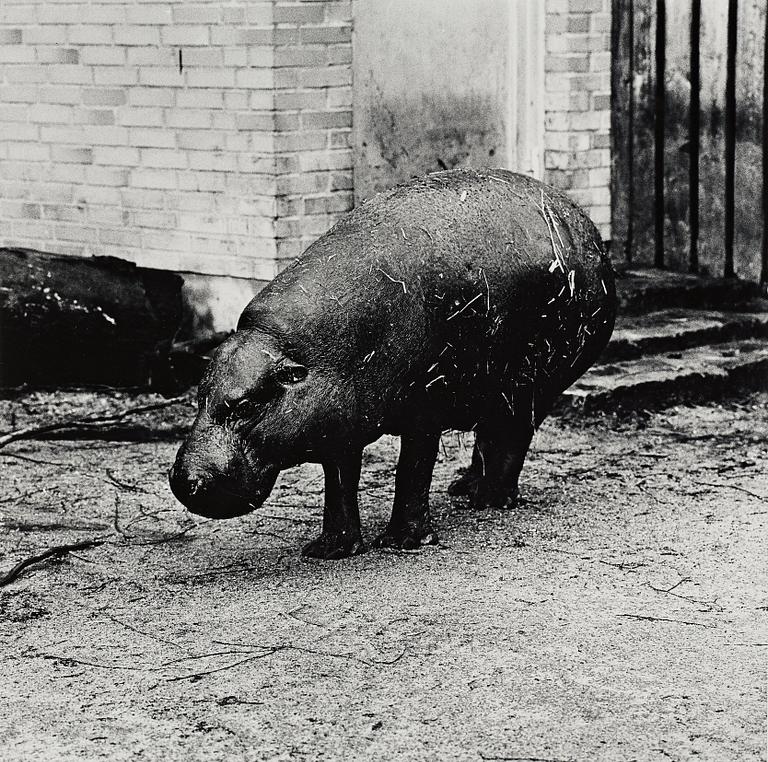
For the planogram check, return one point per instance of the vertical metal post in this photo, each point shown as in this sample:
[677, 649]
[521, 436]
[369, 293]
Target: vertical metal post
[631, 136]
[658, 143]
[693, 134]
[622, 120]
[764, 266]
[730, 137]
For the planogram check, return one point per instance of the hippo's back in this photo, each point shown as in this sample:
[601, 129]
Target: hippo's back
[459, 283]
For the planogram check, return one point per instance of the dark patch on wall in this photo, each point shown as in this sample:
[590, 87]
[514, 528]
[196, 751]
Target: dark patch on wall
[412, 136]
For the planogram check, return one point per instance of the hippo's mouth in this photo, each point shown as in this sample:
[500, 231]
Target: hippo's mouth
[220, 499]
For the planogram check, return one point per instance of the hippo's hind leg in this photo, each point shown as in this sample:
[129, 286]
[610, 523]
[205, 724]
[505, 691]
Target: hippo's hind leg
[500, 449]
[466, 481]
[341, 534]
[502, 455]
[410, 526]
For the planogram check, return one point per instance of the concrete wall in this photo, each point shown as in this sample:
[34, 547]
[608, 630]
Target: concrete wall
[431, 88]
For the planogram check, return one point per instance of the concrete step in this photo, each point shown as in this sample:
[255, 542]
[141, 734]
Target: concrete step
[695, 374]
[677, 329]
[643, 290]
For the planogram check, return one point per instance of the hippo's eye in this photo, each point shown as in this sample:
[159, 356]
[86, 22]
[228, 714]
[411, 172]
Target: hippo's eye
[249, 405]
[290, 374]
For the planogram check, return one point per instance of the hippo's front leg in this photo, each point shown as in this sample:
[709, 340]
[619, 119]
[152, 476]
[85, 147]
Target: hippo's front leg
[410, 526]
[341, 536]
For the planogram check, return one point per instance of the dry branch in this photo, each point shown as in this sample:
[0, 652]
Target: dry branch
[58, 550]
[87, 423]
[663, 619]
[763, 498]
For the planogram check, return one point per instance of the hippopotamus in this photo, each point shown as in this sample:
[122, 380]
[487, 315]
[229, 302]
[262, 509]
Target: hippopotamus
[463, 300]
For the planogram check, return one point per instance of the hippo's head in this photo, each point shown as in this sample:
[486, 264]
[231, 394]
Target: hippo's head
[259, 411]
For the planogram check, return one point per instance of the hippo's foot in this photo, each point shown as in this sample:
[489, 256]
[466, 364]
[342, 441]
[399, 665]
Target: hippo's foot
[494, 499]
[465, 483]
[331, 546]
[406, 537]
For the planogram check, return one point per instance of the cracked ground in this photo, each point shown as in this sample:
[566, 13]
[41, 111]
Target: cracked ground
[618, 613]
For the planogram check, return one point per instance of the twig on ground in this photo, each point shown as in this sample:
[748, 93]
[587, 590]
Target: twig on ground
[121, 484]
[303, 649]
[87, 422]
[522, 759]
[194, 657]
[623, 565]
[710, 605]
[116, 519]
[169, 538]
[68, 660]
[664, 619]
[734, 486]
[198, 675]
[670, 589]
[36, 461]
[143, 632]
[58, 550]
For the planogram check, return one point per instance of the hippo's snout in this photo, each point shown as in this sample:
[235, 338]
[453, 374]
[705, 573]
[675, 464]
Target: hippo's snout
[207, 494]
[218, 495]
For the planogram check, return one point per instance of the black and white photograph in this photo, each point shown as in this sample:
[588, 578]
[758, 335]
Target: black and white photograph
[383, 380]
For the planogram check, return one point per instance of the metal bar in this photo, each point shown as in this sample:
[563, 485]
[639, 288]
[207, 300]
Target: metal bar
[730, 137]
[631, 136]
[658, 142]
[693, 136]
[622, 162]
[764, 266]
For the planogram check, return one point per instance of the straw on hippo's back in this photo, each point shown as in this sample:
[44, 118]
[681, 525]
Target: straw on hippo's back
[464, 300]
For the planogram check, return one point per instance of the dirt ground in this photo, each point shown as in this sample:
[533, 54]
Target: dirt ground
[617, 614]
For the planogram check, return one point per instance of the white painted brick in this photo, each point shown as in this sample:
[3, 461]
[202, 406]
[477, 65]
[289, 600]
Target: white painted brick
[197, 14]
[152, 138]
[16, 54]
[150, 96]
[186, 35]
[107, 14]
[161, 157]
[254, 78]
[149, 56]
[18, 14]
[104, 135]
[149, 13]
[189, 118]
[123, 156]
[14, 74]
[161, 76]
[135, 35]
[114, 75]
[19, 131]
[211, 77]
[19, 94]
[203, 98]
[89, 34]
[96, 55]
[153, 178]
[50, 113]
[135, 116]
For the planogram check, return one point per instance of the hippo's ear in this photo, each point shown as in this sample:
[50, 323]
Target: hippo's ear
[288, 373]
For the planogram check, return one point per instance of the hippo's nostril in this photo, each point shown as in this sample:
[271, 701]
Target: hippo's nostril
[195, 485]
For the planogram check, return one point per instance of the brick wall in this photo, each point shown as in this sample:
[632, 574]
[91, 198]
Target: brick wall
[215, 137]
[149, 131]
[577, 103]
[313, 99]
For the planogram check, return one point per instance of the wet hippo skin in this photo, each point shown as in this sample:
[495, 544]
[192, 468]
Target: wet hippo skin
[464, 300]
